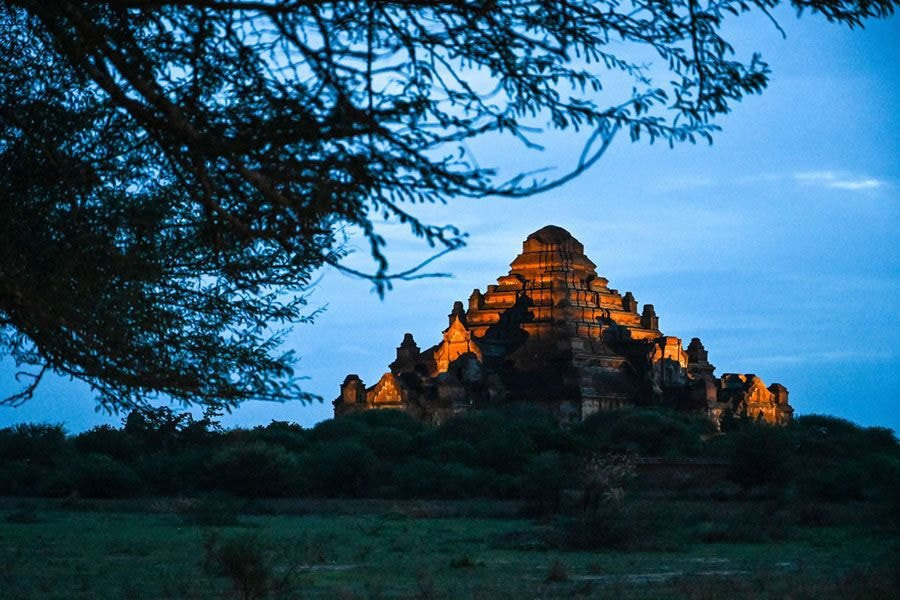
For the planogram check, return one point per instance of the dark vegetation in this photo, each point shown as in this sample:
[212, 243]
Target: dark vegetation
[516, 452]
[501, 504]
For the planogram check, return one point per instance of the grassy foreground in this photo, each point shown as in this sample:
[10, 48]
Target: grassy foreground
[157, 549]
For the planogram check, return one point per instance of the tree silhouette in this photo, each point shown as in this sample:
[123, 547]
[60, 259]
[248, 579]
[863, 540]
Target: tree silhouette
[173, 172]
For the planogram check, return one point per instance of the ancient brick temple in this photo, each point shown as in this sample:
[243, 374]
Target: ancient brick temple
[553, 333]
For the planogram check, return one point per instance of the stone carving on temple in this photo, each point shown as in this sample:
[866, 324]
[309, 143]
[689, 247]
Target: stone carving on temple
[553, 333]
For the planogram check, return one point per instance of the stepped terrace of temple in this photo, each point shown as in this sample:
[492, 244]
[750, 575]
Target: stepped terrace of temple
[553, 333]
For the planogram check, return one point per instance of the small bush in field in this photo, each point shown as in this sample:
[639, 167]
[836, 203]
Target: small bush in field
[462, 562]
[425, 586]
[603, 480]
[557, 572]
[242, 560]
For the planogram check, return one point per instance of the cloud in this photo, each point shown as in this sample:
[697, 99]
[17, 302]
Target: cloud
[840, 181]
[859, 184]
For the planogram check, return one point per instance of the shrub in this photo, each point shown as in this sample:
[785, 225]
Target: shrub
[338, 429]
[838, 460]
[254, 469]
[502, 439]
[339, 468]
[543, 480]
[242, 560]
[92, 476]
[657, 433]
[106, 439]
[462, 562]
[156, 428]
[20, 478]
[389, 442]
[452, 451]
[760, 455]
[832, 480]
[290, 436]
[37, 444]
[471, 427]
[557, 572]
[426, 479]
[176, 473]
[597, 425]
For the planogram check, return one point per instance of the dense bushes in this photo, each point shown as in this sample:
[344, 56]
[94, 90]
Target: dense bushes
[92, 476]
[818, 457]
[648, 432]
[35, 444]
[254, 469]
[508, 452]
[106, 439]
[760, 455]
[340, 468]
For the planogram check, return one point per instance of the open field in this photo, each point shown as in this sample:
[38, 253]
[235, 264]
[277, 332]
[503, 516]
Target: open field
[683, 549]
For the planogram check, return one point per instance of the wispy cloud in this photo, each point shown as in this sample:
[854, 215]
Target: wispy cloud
[859, 184]
[840, 181]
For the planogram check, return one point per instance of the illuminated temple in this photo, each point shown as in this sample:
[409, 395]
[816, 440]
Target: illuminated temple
[553, 333]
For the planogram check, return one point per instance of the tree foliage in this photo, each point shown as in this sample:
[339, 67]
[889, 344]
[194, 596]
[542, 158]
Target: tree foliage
[513, 452]
[173, 173]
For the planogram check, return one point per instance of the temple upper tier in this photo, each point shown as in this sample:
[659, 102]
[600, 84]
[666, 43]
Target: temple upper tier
[552, 332]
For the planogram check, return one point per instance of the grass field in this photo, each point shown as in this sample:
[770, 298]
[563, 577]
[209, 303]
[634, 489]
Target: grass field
[175, 549]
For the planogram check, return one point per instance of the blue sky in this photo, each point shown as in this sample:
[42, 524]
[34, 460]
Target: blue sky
[778, 245]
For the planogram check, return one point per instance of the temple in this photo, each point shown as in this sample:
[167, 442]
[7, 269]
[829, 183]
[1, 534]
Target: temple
[553, 333]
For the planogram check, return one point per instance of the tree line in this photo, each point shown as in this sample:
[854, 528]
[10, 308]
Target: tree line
[512, 452]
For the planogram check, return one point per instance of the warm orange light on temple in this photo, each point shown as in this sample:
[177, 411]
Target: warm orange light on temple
[553, 333]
